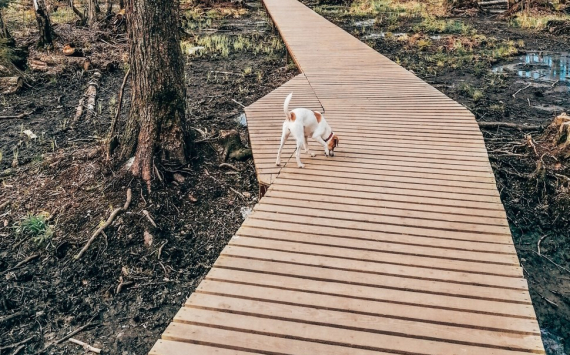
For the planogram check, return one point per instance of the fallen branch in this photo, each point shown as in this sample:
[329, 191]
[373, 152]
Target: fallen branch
[147, 215]
[510, 125]
[85, 346]
[16, 117]
[519, 90]
[226, 165]
[17, 344]
[239, 103]
[238, 193]
[538, 244]
[25, 261]
[66, 337]
[88, 99]
[122, 284]
[12, 316]
[114, 214]
[111, 135]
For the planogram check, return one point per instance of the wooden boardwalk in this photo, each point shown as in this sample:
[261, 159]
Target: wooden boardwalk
[397, 245]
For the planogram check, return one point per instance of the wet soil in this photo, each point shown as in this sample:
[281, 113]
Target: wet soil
[531, 90]
[45, 293]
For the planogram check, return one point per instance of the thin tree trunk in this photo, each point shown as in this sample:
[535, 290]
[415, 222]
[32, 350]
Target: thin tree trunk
[79, 14]
[121, 4]
[156, 130]
[44, 24]
[91, 12]
[109, 10]
[4, 33]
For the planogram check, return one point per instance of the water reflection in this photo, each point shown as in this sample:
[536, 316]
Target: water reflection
[550, 67]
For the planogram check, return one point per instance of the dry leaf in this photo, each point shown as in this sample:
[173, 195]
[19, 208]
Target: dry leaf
[147, 238]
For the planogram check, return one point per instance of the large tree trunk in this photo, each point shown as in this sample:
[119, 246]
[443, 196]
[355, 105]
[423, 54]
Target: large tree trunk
[44, 24]
[156, 131]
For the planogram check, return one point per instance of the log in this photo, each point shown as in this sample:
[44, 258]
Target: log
[509, 125]
[11, 84]
[233, 147]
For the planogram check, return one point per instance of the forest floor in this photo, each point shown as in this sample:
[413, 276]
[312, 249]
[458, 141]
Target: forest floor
[58, 188]
[502, 73]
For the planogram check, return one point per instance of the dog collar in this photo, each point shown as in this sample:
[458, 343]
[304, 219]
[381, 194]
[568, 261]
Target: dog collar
[326, 140]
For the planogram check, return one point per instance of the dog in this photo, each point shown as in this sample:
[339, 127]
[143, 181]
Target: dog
[303, 123]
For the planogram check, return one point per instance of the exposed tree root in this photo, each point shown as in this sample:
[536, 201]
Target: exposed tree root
[233, 146]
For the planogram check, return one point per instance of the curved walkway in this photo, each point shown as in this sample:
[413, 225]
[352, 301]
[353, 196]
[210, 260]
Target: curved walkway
[398, 245]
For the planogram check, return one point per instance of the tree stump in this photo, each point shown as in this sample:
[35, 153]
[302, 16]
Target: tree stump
[233, 146]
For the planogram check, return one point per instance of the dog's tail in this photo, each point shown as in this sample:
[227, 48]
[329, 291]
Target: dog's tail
[286, 106]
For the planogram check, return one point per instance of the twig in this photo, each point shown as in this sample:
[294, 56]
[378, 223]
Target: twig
[114, 214]
[4, 205]
[239, 193]
[554, 83]
[67, 336]
[160, 249]
[17, 117]
[17, 344]
[529, 105]
[509, 125]
[122, 284]
[119, 105]
[531, 143]
[12, 316]
[552, 261]
[226, 165]
[147, 215]
[17, 351]
[225, 72]
[85, 346]
[238, 103]
[538, 244]
[25, 261]
[519, 90]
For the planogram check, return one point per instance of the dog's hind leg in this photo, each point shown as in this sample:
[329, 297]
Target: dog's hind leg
[298, 154]
[284, 136]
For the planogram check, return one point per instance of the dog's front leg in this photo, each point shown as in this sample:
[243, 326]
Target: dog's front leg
[284, 136]
[306, 147]
[324, 144]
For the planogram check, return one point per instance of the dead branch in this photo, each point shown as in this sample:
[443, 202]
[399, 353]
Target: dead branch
[25, 261]
[66, 337]
[226, 165]
[238, 193]
[16, 117]
[90, 97]
[114, 214]
[17, 344]
[111, 136]
[122, 284]
[519, 90]
[160, 249]
[4, 205]
[538, 244]
[85, 346]
[530, 143]
[147, 215]
[12, 316]
[510, 125]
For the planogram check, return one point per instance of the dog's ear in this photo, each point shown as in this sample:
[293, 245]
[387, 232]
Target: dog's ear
[336, 140]
[318, 115]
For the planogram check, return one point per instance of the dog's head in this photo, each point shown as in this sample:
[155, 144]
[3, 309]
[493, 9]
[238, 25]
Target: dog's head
[333, 143]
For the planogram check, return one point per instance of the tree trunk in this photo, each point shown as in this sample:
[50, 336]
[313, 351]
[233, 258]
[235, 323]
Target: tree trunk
[91, 12]
[121, 4]
[81, 15]
[44, 24]
[4, 33]
[109, 11]
[156, 131]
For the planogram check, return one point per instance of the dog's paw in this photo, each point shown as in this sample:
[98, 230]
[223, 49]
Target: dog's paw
[278, 163]
[301, 166]
[313, 155]
[332, 154]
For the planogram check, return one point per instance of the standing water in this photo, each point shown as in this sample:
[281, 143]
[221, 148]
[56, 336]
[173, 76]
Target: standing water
[551, 67]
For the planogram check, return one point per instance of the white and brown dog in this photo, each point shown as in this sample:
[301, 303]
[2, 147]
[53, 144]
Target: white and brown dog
[303, 123]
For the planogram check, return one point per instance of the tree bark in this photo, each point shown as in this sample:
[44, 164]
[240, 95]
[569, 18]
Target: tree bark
[156, 131]
[44, 24]
[121, 4]
[91, 12]
[81, 15]
[10, 84]
[4, 33]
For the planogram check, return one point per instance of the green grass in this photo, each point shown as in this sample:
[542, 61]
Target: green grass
[35, 227]
[433, 25]
[224, 45]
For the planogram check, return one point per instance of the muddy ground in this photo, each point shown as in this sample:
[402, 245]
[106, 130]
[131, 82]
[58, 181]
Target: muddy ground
[534, 87]
[126, 288]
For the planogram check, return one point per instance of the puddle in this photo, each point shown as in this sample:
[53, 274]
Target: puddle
[383, 35]
[550, 67]
[365, 23]
[241, 120]
[194, 50]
